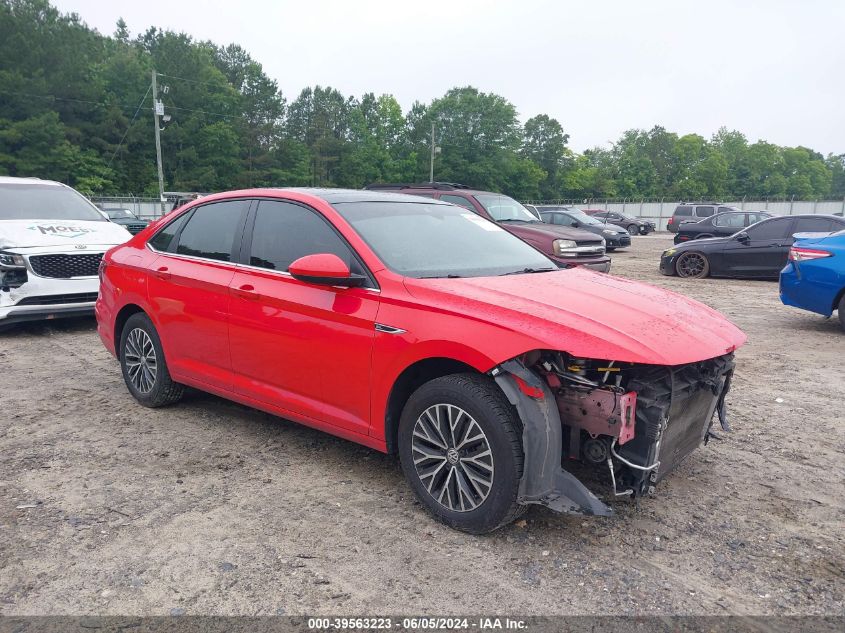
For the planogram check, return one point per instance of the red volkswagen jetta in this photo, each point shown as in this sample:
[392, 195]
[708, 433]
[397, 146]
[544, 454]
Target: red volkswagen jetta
[413, 325]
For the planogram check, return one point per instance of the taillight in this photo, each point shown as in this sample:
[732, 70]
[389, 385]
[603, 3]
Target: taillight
[801, 254]
[683, 238]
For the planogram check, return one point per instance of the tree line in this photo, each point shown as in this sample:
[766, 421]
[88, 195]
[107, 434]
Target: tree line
[75, 106]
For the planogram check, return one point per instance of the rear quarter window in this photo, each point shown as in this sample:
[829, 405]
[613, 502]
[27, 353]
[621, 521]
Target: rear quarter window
[704, 211]
[683, 211]
[210, 231]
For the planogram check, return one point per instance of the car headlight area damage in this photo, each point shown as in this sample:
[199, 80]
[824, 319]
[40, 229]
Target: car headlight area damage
[637, 421]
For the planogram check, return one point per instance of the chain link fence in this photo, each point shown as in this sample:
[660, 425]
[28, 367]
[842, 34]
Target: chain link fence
[144, 208]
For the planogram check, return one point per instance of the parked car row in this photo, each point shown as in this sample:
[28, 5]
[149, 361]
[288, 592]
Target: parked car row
[805, 252]
[613, 236]
[470, 337]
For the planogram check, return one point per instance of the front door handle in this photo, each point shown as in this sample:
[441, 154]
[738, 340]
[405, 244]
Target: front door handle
[246, 291]
[162, 273]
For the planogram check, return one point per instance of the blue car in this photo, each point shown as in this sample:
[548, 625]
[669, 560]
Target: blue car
[814, 276]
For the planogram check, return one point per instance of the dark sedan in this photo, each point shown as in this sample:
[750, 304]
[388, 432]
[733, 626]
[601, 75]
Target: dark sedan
[634, 226]
[759, 252]
[721, 225]
[577, 219]
[126, 219]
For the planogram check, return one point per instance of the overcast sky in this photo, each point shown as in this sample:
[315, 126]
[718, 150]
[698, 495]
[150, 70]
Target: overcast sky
[775, 70]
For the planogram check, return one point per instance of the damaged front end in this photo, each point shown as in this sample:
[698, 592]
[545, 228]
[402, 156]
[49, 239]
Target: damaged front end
[637, 421]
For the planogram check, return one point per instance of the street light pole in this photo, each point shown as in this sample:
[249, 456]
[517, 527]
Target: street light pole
[158, 110]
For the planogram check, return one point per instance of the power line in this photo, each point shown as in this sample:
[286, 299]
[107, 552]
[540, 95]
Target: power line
[141, 103]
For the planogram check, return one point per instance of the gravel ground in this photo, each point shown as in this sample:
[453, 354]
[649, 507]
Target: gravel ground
[209, 507]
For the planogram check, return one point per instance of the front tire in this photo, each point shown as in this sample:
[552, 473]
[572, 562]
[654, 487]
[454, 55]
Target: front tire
[633, 229]
[692, 265]
[144, 367]
[460, 448]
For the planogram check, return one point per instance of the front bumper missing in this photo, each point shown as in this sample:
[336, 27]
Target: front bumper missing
[673, 415]
[544, 481]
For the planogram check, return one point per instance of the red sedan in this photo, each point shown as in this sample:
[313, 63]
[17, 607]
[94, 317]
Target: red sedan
[412, 325]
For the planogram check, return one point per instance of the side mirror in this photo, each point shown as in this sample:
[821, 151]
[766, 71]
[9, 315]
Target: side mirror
[575, 224]
[325, 269]
[743, 237]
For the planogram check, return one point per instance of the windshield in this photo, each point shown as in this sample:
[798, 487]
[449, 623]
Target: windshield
[504, 209]
[118, 214]
[418, 239]
[45, 202]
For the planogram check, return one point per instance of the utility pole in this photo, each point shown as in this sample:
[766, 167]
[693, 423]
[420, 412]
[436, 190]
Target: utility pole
[431, 171]
[158, 110]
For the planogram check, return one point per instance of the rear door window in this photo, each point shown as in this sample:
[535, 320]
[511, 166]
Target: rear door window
[771, 230]
[458, 200]
[813, 225]
[704, 211]
[210, 231]
[730, 220]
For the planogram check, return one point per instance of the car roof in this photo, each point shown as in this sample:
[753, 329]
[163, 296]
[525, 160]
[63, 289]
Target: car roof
[325, 194]
[355, 195]
[12, 180]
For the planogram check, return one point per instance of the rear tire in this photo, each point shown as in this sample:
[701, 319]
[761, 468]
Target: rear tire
[144, 367]
[692, 265]
[460, 446]
[842, 312]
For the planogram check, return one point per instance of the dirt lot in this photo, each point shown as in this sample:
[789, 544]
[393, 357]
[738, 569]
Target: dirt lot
[209, 507]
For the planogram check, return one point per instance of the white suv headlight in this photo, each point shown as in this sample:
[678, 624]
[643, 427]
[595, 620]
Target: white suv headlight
[11, 260]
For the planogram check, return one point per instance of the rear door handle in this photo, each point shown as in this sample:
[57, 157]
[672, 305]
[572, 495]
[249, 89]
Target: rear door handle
[246, 291]
[162, 273]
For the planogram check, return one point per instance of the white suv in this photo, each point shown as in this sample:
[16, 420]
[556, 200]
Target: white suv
[51, 242]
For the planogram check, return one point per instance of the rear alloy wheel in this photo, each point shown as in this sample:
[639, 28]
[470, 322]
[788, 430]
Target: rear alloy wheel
[692, 265]
[144, 368]
[461, 450]
[633, 229]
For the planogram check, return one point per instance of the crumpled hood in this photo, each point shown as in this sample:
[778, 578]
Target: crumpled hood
[590, 315]
[22, 234]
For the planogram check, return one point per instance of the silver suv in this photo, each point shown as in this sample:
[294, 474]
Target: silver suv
[693, 212]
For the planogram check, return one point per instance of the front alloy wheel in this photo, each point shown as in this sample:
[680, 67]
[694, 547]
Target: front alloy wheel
[460, 446]
[452, 457]
[633, 229]
[692, 265]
